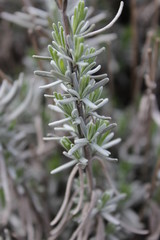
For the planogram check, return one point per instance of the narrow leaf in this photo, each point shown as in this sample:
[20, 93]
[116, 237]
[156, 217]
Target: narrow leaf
[57, 123]
[76, 147]
[100, 150]
[42, 57]
[89, 103]
[96, 53]
[99, 84]
[50, 84]
[64, 167]
[112, 143]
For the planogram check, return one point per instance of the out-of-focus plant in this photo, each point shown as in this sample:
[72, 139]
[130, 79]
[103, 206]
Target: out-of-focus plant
[20, 121]
[137, 150]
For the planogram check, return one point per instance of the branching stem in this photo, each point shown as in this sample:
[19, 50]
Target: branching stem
[67, 195]
[82, 224]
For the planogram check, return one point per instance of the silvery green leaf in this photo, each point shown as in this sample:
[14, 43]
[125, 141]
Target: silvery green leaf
[64, 167]
[112, 125]
[64, 88]
[52, 138]
[44, 74]
[48, 95]
[108, 128]
[102, 128]
[111, 159]
[98, 77]
[73, 93]
[70, 42]
[110, 218]
[94, 70]
[75, 113]
[81, 140]
[55, 108]
[90, 130]
[104, 101]
[89, 103]
[61, 129]
[100, 150]
[85, 92]
[58, 104]
[42, 57]
[84, 27]
[68, 73]
[112, 143]
[89, 67]
[82, 64]
[65, 57]
[99, 116]
[53, 64]
[83, 127]
[57, 47]
[68, 128]
[60, 76]
[99, 100]
[67, 100]
[96, 53]
[50, 84]
[75, 82]
[95, 136]
[83, 161]
[72, 19]
[99, 84]
[76, 147]
[109, 137]
[77, 121]
[59, 122]
[81, 24]
[91, 27]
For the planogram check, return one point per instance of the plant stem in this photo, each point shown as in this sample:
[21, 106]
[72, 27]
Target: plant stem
[74, 69]
[89, 167]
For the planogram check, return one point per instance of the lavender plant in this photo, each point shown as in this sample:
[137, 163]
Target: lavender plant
[74, 69]
[88, 135]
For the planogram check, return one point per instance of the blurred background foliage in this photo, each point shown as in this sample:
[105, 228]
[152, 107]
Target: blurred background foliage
[29, 195]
